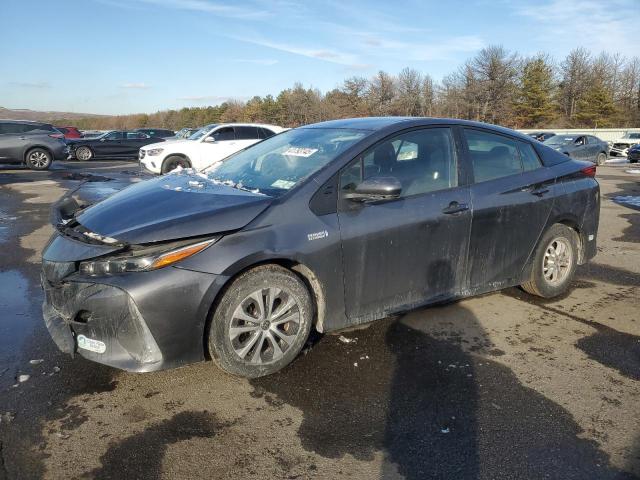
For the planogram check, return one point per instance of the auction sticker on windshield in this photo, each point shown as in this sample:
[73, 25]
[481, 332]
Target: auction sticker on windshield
[286, 184]
[300, 152]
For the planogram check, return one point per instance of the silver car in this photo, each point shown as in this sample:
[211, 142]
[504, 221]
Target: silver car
[580, 147]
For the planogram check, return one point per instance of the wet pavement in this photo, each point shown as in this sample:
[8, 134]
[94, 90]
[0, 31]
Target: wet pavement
[500, 386]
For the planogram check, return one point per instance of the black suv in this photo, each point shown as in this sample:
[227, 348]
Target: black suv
[33, 143]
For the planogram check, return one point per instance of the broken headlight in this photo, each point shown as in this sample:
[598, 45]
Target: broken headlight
[142, 262]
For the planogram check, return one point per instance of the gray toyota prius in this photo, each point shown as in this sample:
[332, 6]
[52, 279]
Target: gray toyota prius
[324, 226]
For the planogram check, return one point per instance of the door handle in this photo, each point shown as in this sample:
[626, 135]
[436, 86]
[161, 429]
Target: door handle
[539, 192]
[455, 207]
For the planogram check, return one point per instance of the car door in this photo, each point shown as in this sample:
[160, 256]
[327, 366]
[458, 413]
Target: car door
[512, 196]
[133, 142]
[217, 145]
[402, 253]
[110, 145]
[11, 144]
[580, 148]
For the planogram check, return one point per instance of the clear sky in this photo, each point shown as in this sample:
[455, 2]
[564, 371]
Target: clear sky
[125, 56]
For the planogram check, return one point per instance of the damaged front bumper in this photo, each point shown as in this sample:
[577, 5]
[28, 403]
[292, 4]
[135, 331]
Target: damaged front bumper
[142, 321]
[100, 322]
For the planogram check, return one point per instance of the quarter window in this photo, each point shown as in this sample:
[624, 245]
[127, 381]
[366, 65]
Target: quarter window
[422, 160]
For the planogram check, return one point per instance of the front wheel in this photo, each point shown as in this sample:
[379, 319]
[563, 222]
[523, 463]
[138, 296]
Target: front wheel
[555, 262]
[261, 323]
[39, 159]
[601, 158]
[173, 162]
[84, 153]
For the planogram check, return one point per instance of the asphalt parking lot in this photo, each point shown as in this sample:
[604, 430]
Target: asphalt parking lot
[500, 386]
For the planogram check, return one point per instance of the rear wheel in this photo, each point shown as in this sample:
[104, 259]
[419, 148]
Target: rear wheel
[555, 262]
[84, 153]
[173, 162]
[261, 323]
[39, 159]
[601, 158]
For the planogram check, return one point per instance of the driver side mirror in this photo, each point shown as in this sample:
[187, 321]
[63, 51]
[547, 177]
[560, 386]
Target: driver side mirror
[376, 189]
[210, 140]
[103, 139]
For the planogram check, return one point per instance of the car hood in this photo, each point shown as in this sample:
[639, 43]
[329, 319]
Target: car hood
[175, 206]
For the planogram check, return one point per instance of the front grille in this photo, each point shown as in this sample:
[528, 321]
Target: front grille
[54, 272]
[141, 154]
[621, 146]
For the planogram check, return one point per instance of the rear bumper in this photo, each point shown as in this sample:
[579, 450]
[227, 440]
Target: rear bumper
[60, 152]
[138, 322]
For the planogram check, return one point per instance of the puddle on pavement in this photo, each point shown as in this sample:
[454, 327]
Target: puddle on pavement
[17, 318]
[5, 222]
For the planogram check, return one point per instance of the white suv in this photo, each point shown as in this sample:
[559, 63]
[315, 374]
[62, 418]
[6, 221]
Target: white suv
[621, 146]
[207, 146]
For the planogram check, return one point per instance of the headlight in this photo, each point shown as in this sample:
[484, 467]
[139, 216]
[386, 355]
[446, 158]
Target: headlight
[154, 151]
[142, 263]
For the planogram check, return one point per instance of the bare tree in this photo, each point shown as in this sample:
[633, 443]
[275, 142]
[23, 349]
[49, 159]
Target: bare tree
[575, 74]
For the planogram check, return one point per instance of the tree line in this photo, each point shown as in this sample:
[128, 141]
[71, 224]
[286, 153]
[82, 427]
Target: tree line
[495, 86]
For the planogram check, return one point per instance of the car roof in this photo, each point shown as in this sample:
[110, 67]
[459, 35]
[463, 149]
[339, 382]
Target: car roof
[242, 124]
[379, 123]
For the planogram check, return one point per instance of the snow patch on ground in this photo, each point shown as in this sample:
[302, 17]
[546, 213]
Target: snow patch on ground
[632, 200]
[634, 171]
[618, 160]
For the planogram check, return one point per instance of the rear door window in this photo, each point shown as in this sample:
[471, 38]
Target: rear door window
[247, 133]
[529, 157]
[492, 156]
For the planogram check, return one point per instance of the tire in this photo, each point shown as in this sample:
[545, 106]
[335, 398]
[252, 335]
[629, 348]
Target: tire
[261, 348]
[174, 161]
[601, 158]
[38, 159]
[542, 282]
[84, 154]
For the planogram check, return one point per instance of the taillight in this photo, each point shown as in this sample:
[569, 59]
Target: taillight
[589, 171]
[56, 135]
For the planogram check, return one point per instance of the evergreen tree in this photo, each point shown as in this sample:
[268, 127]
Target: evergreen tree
[597, 109]
[534, 97]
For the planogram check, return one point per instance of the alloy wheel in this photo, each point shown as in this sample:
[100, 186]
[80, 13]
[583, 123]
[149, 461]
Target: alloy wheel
[556, 262]
[265, 325]
[38, 159]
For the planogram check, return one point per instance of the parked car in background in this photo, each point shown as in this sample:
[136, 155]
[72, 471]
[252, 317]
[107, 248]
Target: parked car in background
[633, 154]
[93, 133]
[156, 132]
[620, 146]
[113, 144]
[184, 133]
[34, 144]
[541, 136]
[580, 147]
[207, 146]
[69, 132]
[324, 226]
